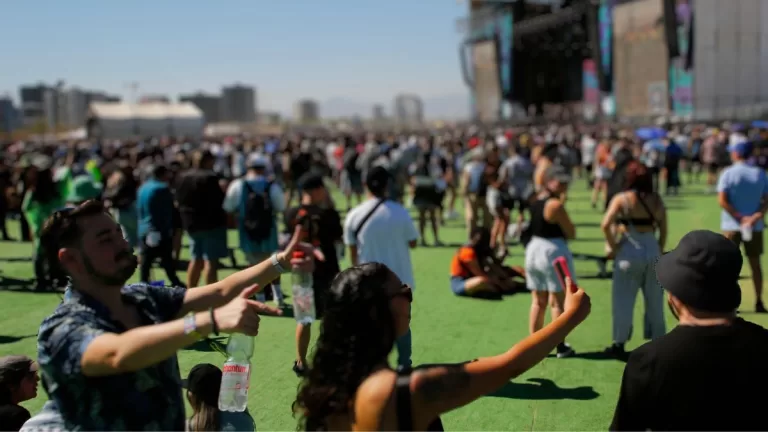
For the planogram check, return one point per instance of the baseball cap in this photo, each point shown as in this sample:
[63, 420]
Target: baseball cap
[742, 148]
[311, 181]
[257, 160]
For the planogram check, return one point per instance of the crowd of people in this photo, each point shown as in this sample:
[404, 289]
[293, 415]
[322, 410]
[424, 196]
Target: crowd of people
[107, 355]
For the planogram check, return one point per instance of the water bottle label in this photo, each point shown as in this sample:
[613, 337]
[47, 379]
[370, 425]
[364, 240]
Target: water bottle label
[303, 304]
[235, 383]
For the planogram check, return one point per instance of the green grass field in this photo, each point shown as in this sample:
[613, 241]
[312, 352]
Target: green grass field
[559, 394]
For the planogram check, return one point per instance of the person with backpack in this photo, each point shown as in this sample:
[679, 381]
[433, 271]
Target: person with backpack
[255, 202]
[154, 212]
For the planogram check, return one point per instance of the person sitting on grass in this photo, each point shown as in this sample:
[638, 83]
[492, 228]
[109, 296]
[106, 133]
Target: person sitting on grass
[475, 272]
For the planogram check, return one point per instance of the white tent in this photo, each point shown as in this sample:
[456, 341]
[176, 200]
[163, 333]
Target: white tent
[124, 121]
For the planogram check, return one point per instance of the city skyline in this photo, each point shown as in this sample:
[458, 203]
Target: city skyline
[215, 105]
[327, 52]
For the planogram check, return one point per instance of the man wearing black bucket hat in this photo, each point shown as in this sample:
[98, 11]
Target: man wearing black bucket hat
[699, 375]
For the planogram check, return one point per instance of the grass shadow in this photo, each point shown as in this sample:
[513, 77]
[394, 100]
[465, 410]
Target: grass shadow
[442, 246]
[608, 275]
[13, 339]
[217, 344]
[593, 355]
[544, 389]
[13, 284]
[588, 257]
[15, 259]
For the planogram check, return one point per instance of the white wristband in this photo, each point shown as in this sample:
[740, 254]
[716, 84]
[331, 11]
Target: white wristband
[277, 265]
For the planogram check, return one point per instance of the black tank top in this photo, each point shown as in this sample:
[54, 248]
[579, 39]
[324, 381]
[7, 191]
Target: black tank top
[539, 226]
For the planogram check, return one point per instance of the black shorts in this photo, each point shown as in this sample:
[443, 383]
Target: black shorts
[588, 168]
[510, 203]
[321, 286]
[712, 168]
[176, 219]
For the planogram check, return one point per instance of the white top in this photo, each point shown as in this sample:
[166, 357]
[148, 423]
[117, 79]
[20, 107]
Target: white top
[588, 147]
[384, 238]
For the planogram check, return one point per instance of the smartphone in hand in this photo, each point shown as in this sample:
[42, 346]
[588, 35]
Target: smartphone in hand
[561, 268]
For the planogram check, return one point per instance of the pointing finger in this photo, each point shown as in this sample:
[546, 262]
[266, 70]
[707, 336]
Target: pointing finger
[262, 309]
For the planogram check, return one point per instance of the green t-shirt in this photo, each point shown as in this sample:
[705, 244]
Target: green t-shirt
[37, 212]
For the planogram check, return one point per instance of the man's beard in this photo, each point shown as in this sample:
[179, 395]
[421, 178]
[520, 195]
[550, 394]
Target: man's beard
[121, 274]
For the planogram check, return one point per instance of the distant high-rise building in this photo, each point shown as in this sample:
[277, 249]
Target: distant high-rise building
[52, 107]
[58, 106]
[378, 112]
[9, 115]
[210, 105]
[306, 111]
[238, 104]
[155, 98]
[32, 103]
[408, 109]
[73, 107]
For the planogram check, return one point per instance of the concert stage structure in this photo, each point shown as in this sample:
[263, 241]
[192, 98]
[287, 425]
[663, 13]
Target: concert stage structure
[633, 59]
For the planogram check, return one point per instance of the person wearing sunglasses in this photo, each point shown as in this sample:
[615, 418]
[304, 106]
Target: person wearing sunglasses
[107, 354]
[351, 385]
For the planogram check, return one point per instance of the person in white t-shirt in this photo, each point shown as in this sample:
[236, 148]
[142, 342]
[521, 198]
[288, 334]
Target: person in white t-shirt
[380, 230]
[588, 150]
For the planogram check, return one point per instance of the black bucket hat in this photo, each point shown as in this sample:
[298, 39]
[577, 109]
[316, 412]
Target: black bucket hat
[703, 272]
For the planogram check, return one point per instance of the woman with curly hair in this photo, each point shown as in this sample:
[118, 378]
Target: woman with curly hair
[351, 386]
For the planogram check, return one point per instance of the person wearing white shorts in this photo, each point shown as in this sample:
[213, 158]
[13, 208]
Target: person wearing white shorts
[550, 228]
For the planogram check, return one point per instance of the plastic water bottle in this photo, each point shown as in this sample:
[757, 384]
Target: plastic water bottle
[746, 233]
[236, 374]
[303, 295]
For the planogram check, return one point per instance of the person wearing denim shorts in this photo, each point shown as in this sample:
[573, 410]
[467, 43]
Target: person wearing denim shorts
[200, 199]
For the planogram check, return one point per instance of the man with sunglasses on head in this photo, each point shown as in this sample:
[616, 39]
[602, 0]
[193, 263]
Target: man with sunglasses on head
[107, 354]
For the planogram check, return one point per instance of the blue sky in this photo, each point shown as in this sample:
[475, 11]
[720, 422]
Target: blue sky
[363, 50]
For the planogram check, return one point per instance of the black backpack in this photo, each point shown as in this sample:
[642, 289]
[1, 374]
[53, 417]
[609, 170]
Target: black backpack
[259, 214]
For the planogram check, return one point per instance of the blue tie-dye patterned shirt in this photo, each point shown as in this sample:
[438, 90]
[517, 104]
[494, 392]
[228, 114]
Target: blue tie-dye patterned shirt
[149, 399]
